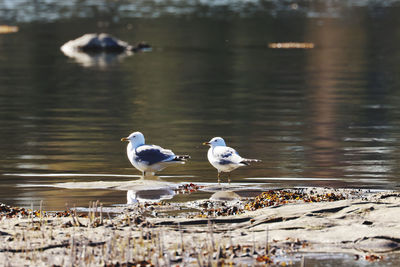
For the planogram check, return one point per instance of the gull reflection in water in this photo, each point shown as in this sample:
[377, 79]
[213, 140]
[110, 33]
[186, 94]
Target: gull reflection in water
[151, 189]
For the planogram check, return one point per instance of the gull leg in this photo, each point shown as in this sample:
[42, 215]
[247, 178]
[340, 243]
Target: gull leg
[144, 174]
[229, 178]
[219, 178]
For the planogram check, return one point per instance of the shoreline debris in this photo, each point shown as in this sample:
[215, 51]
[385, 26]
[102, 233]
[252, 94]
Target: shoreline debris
[277, 227]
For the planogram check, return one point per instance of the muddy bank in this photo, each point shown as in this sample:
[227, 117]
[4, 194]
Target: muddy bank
[277, 226]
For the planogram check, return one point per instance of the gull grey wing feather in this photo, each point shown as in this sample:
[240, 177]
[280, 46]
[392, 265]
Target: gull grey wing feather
[226, 155]
[153, 154]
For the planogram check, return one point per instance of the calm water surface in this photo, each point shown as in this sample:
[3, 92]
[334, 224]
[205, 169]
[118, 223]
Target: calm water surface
[328, 116]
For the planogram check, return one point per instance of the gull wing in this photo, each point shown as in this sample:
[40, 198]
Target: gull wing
[226, 155]
[153, 154]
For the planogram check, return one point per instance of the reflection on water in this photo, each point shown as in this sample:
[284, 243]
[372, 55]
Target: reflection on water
[149, 195]
[326, 116]
[100, 60]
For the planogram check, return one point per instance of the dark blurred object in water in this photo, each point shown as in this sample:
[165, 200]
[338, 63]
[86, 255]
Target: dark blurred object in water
[141, 47]
[101, 50]
[103, 42]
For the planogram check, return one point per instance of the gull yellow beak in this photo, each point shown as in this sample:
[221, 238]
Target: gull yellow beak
[124, 139]
[206, 143]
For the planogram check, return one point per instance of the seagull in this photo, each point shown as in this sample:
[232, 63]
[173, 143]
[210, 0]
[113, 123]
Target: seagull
[225, 158]
[149, 158]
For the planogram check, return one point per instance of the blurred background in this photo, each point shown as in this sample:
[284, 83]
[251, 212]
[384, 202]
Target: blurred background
[323, 116]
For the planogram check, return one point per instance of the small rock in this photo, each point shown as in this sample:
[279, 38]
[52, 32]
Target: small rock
[100, 50]
[103, 42]
[93, 42]
[367, 223]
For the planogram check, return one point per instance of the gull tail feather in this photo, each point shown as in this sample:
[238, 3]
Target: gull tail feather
[248, 161]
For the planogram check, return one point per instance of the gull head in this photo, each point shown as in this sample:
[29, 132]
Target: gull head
[136, 139]
[216, 141]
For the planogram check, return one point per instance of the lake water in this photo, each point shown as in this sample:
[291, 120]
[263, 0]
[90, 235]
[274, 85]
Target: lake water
[327, 116]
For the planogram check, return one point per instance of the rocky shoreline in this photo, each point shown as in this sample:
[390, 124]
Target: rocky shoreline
[277, 227]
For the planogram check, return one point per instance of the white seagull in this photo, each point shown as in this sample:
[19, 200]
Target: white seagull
[149, 158]
[224, 158]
